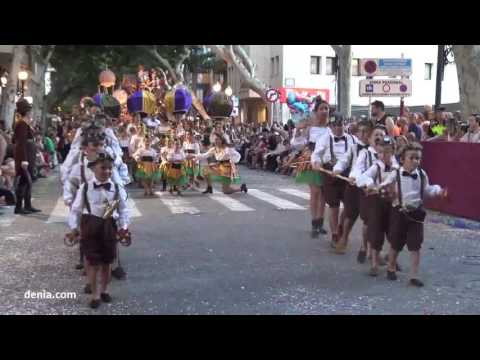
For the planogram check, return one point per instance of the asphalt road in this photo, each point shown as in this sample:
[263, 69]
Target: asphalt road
[239, 254]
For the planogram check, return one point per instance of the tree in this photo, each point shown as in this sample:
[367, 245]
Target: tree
[467, 59]
[236, 56]
[344, 55]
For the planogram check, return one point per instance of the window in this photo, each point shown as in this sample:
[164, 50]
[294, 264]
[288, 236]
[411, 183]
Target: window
[428, 71]
[277, 65]
[355, 67]
[315, 65]
[272, 66]
[331, 65]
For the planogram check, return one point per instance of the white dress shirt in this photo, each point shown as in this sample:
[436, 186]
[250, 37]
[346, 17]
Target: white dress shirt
[349, 159]
[317, 132]
[222, 154]
[369, 177]
[175, 156]
[363, 162]
[298, 142]
[145, 152]
[97, 198]
[322, 154]
[74, 180]
[411, 188]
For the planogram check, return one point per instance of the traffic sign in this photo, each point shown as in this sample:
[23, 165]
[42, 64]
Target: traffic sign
[386, 87]
[386, 67]
[272, 95]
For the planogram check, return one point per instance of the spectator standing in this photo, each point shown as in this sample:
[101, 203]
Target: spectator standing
[22, 134]
[473, 134]
[413, 126]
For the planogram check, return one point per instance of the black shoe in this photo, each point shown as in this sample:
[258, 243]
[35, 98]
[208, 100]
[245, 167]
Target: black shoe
[399, 269]
[94, 304]
[314, 233]
[361, 257]
[119, 273]
[87, 289]
[244, 188]
[33, 210]
[79, 266]
[106, 298]
[320, 228]
[208, 191]
[21, 212]
[416, 282]
[391, 275]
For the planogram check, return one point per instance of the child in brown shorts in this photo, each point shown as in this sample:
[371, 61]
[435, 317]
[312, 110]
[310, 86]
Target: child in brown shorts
[379, 203]
[407, 215]
[105, 205]
[351, 196]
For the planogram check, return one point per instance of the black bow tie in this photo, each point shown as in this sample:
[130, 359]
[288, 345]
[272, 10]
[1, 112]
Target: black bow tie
[361, 147]
[106, 186]
[413, 176]
[337, 139]
[388, 168]
[376, 155]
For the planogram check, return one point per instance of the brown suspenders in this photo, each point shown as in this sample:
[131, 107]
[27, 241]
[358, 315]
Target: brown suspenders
[332, 156]
[85, 197]
[422, 186]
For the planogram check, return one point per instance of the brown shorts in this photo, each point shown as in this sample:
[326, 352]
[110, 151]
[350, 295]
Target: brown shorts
[334, 190]
[403, 231]
[351, 201]
[98, 239]
[378, 221]
[364, 202]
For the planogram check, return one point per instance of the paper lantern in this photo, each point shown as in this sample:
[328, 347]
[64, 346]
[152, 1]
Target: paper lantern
[170, 102]
[219, 105]
[121, 96]
[142, 101]
[111, 106]
[98, 99]
[107, 78]
[183, 100]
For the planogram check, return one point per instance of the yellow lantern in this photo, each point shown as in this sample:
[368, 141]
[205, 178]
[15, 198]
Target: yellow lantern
[121, 96]
[170, 101]
[107, 78]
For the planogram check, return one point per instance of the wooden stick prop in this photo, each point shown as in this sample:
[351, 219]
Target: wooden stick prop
[323, 170]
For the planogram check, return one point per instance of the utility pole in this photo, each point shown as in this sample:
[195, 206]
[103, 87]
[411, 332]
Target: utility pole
[440, 68]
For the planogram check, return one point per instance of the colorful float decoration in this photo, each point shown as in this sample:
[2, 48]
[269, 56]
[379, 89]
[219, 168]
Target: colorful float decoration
[107, 78]
[121, 95]
[178, 100]
[218, 105]
[142, 101]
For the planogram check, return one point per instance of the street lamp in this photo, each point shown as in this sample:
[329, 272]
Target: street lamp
[22, 76]
[228, 91]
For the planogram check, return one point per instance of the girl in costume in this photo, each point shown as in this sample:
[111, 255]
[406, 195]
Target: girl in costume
[147, 166]
[168, 145]
[316, 128]
[192, 148]
[223, 170]
[175, 168]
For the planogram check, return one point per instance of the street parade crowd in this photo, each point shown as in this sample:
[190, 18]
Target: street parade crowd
[371, 166]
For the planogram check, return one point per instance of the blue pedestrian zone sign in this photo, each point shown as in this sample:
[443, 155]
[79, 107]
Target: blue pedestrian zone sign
[403, 65]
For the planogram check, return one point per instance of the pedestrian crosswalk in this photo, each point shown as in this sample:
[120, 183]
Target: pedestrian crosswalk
[190, 203]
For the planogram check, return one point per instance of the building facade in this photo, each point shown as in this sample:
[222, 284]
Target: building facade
[309, 70]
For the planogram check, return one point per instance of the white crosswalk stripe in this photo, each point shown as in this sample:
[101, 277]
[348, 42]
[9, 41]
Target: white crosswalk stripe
[295, 192]
[7, 216]
[60, 211]
[177, 205]
[280, 203]
[229, 202]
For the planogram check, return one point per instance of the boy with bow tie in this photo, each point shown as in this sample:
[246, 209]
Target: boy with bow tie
[380, 203]
[328, 150]
[407, 215]
[99, 207]
[351, 196]
[366, 158]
